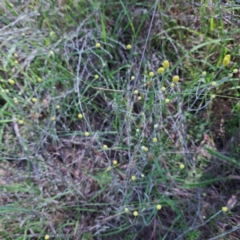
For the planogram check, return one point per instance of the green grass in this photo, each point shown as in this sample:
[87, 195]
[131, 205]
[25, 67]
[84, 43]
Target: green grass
[176, 145]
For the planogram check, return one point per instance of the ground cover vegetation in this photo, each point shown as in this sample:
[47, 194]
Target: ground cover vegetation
[119, 119]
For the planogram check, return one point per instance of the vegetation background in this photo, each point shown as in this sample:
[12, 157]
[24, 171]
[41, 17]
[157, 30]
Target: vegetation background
[119, 119]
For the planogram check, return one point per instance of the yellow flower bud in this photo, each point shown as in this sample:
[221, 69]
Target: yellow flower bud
[132, 78]
[226, 61]
[128, 46]
[181, 166]
[34, 100]
[159, 207]
[98, 45]
[10, 81]
[151, 74]
[166, 64]
[167, 100]
[133, 178]
[135, 213]
[105, 147]
[114, 162]
[154, 140]
[224, 209]
[160, 70]
[80, 116]
[86, 134]
[175, 78]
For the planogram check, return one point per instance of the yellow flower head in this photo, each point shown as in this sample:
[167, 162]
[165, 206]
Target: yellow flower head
[80, 116]
[181, 166]
[128, 46]
[15, 100]
[214, 84]
[139, 98]
[96, 76]
[151, 74]
[172, 84]
[34, 100]
[224, 209]
[135, 213]
[105, 147]
[133, 178]
[109, 168]
[135, 92]
[204, 73]
[163, 89]
[226, 61]
[98, 45]
[39, 80]
[160, 70]
[228, 56]
[15, 55]
[53, 119]
[154, 140]
[20, 121]
[132, 78]
[126, 210]
[46, 237]
[16, 61]
[10, 81]
[167, 100]
[23, 34]
[114, 162]
[166, 64]
[86, 134]
[142, 175]
[58, 107]
[235, 70]
[159, 207]
[175, 78]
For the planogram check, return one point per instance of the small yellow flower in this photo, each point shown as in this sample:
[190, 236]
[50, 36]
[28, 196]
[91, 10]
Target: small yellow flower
[167, 100]
[114, 162]
[142, 175]
[80, 116]
[109, 168]
[16, 61]
[151, 74]
[10, 81]
[214, 84]
[46, 237]
[20, 121]
[235, 70]
[135, 213]
[23, 34]
[96, 76]
[155, 140]
[145, 149]
[34, 100]
[181, 166]
[204, 73]
[230, 75]
[226, 61]
[228, 56]
[6, 90]
[132, 78]
[128, 46]
[51, 53]
[139, 98]
[15, 100]
[98, 45]
[175, 78]
[15, 55]
[224, 209]
[159, 207]
[160, 70]
[126, 210]
[53, 119]
[86, 134]
[58, 107]
[172, 85]
[133, 178]
[155, 126]
[163, 89]
[39, 80]
[135, 92]
[166, 64]
[213, 96]
[105, 147]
